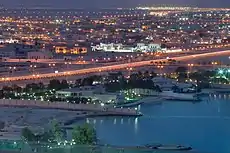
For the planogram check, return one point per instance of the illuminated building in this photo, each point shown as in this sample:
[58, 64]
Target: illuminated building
[140, 47]
[61, 49]
[95, 93]
[78, 50]
[66, 50]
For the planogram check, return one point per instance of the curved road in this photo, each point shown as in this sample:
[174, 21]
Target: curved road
[109, 68]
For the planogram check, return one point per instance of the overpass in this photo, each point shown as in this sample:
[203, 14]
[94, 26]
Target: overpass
[110, 67]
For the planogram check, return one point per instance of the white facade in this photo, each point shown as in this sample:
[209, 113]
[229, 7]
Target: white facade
[140, 47]
[111, 48]
[145, 92]
[96, 93]
[164, 83]
[167, 84]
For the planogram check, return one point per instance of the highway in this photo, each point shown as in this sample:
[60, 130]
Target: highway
[110, 67]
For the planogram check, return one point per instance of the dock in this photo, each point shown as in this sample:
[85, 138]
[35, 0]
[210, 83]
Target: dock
[96, 108]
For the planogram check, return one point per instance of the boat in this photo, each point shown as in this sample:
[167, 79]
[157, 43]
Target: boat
[151, 147]
[170, 95]
[168, 147]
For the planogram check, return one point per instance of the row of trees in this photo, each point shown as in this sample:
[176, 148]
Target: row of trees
[81, 135]
[53, 84]
[136, 80]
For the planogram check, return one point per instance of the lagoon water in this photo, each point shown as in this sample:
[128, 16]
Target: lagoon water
[205, 125]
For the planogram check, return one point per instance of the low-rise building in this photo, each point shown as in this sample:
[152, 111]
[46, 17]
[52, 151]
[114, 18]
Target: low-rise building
[39, 55]
[166, 84]
[140, 47]
[96, 93]
[70, 50]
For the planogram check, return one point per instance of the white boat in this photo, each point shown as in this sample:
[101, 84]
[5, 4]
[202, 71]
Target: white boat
[170, 95]
[168, 147]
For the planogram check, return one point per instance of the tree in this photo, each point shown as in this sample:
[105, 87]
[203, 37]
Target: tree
[16, 88]
[7, 89]
[139, 74]
[84, 135]
[2, 125]
[57, 131]
[27, 134]
[182, 73]
[153, 74]
[33, 87]
[64, 84]
[41, 85]
[46, 137]
[54, 84]
[78, 82]
[181, 69]
[1, 94]
[146, 74]
[88, 81]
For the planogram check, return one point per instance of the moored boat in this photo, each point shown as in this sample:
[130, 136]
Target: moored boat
[168, 147]
[170, 95]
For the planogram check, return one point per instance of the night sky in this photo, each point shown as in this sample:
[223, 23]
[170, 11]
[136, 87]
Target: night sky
[108, 3]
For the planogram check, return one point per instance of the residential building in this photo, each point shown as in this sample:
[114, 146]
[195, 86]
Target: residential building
[39, 55]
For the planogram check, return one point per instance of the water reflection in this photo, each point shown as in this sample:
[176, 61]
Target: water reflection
[136, 125]
[87, 120]
[204, 125]
[115, 121]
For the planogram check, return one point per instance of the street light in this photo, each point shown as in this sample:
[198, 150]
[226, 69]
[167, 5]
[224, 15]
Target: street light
[220, 71]
[190, 69]
[11, 70]
[130, 69]
[160, 67]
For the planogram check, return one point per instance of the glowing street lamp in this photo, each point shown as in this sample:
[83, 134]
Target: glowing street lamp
[190, 69]
[220, 71]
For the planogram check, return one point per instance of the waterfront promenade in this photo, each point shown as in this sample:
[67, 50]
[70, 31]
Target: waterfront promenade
[100, 110]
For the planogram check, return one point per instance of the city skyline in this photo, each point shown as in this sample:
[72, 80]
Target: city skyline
[71, 4]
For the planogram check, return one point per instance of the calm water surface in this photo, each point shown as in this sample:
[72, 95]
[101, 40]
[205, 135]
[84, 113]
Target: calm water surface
[205, 125]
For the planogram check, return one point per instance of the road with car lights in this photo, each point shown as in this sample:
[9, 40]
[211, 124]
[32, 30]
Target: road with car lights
[100, 69]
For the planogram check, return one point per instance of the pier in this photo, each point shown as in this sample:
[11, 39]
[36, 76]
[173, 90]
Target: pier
[98, 109]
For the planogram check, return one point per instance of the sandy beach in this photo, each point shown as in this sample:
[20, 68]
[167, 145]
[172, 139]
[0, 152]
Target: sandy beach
[17, 118]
